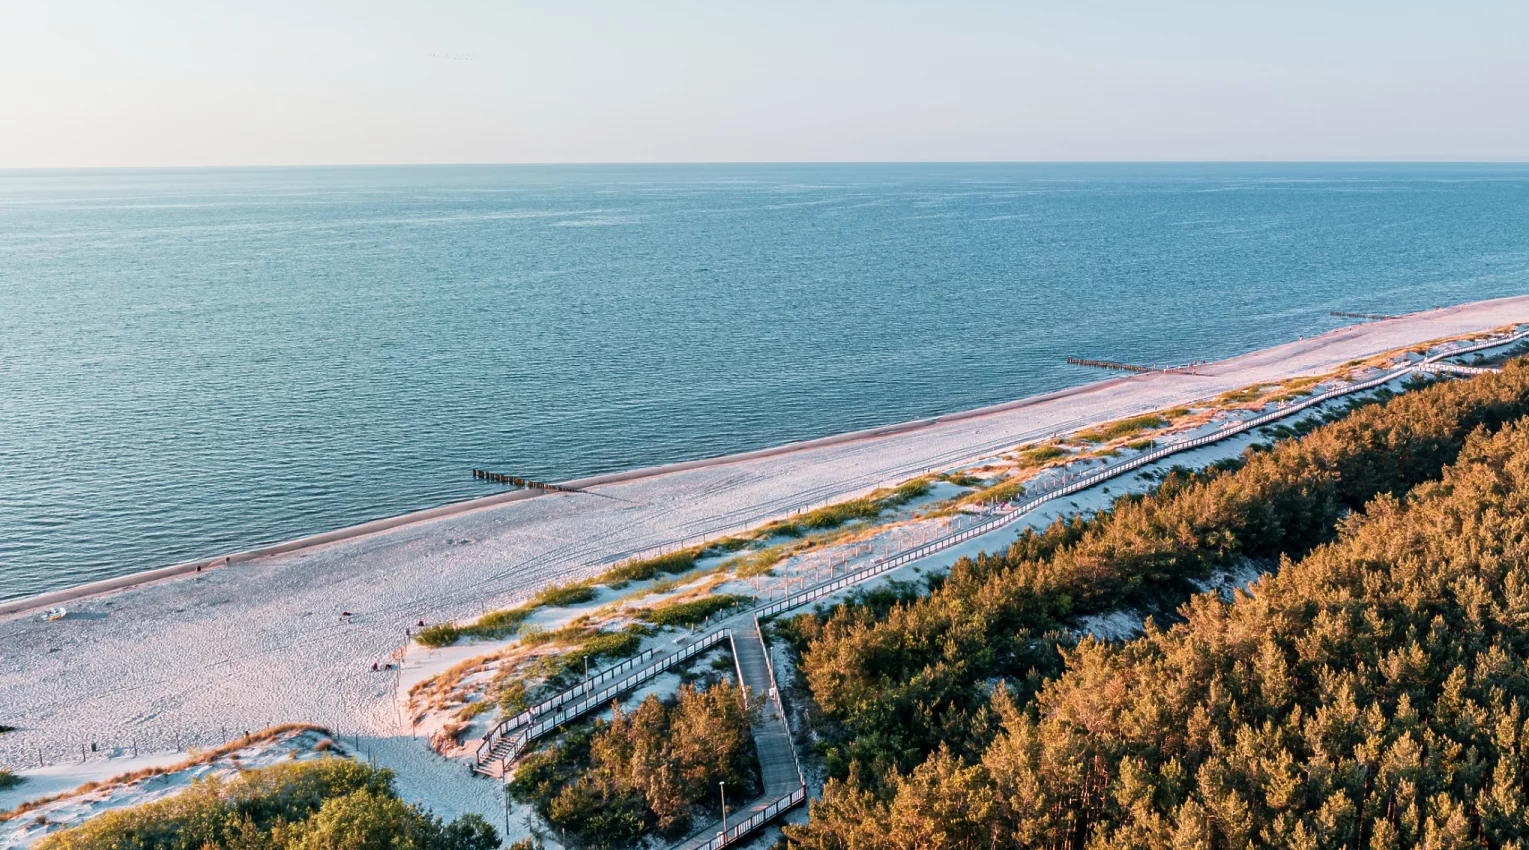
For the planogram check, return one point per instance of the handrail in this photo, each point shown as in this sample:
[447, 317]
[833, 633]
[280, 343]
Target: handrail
[523, 739]
[524, 718]
[780, 707]
[758, 819]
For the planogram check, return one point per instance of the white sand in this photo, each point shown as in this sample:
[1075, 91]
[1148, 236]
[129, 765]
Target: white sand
[260, 643]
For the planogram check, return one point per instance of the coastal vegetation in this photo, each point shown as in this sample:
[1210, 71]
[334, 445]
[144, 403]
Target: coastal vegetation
[895, 683]
[646, 772]
[1123, 428]
[673, 563]
[325, 804]
[1371, 693]
[9, 779]
[755, 562]
[494, 625]
[691, 612]
[833, 516]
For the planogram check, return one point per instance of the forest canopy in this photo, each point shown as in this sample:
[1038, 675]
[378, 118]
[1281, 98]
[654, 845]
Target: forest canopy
[1369, 692]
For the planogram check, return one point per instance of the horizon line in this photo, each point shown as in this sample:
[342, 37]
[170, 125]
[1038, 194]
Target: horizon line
[1524, 160]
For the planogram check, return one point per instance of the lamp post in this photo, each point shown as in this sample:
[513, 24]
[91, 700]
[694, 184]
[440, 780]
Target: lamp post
[722, 790]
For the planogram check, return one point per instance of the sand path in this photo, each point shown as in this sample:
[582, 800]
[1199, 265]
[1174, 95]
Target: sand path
[199, 657]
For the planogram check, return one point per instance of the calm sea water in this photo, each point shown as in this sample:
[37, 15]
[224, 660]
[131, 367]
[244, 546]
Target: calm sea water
[199, 361]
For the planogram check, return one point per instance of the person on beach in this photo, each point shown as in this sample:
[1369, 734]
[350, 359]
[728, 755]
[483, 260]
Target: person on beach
[374, 666]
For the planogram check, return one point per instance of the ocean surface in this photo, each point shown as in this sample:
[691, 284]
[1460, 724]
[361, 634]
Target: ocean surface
[194, 362]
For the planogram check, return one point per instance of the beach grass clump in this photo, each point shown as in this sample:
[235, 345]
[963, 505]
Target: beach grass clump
[759, 563]
[1041, 455]
[584, 643]
[824, 518]
[495, 625]
[439, 635]
[1302, 386]
[9, 779]
[1140, 445]
[692, 612]
[622, 574]
[563, 595]
[864, 508]
[1242, 396]
[726, 545]
[605, 645]
[963, 479]
[910, 490]
[1123, 427]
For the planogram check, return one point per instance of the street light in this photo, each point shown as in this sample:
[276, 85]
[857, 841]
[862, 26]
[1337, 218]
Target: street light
[722, 790]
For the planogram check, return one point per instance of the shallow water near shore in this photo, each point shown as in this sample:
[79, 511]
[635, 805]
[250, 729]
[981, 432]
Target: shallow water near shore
[199, 361]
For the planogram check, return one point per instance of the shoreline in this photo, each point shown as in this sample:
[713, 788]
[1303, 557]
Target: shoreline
[166, 664]
[467, 506]
[454, 509]
[450, 509]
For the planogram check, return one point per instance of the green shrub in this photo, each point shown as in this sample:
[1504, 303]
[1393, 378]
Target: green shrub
[513, 698]
[9, 779]
[326, 804]
[644, 772]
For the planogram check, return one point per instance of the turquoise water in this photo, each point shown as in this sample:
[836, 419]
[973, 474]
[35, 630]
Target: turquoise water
[199, 361]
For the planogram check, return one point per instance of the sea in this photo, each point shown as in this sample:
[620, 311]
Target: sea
[199, 361]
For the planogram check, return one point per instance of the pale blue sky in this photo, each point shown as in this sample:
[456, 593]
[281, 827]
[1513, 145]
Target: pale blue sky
[202, 82]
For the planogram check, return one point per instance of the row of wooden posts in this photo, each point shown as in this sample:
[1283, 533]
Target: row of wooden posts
[1109, 364]
[501, 478]
[1375, 316]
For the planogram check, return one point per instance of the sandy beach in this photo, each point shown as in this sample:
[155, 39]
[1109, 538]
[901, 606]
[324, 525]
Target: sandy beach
[200, 657]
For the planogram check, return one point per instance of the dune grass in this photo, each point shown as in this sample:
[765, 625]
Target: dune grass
[1123, 428]
[495, 625]
[833, 516]
[759, 563]
[562, 595]
[674, 562]
[1242, 396]
[692, 612]
[1041, 455]
[193, 758]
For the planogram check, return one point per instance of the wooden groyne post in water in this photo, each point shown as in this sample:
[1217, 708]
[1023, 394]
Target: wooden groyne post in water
[1109, 364]
[1372, 316]
[1184, 369]
[501, 478]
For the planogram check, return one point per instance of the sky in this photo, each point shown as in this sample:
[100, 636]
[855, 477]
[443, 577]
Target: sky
[212, 82]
